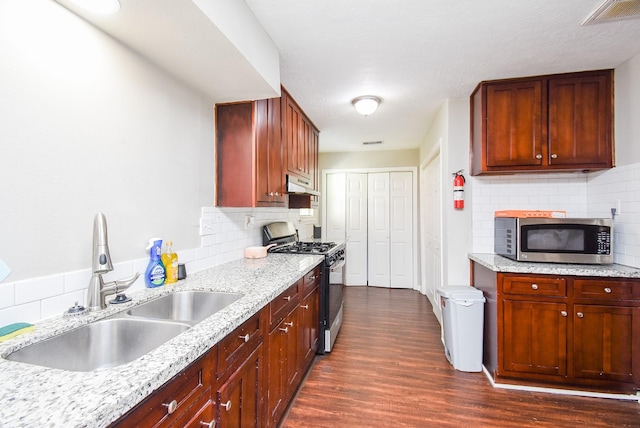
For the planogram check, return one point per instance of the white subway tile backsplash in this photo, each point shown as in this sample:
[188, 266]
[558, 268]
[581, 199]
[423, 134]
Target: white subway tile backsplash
[38, 289]
[29, 312]
[38, 298]
[59, 304]
[7, 295]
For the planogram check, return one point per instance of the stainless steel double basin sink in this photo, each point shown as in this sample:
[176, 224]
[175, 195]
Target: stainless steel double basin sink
[127, 335]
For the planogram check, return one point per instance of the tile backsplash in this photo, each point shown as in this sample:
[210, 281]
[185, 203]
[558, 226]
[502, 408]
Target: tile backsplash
[579, 194]
[36, 299]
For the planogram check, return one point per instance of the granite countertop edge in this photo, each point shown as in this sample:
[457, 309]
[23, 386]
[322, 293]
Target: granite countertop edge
[501, 264]
[34, 395]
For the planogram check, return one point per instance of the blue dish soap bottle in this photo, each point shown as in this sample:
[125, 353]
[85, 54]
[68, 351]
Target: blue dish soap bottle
[156, 273]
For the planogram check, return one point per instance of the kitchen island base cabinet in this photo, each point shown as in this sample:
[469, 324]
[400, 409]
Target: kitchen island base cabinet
[568, 332]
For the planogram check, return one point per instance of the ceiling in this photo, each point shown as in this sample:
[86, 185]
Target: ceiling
[415, 54]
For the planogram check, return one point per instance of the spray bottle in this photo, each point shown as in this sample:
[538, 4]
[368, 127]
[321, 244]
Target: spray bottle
[155, 274]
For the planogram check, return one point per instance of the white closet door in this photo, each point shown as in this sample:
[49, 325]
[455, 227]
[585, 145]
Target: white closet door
[356, 229]
[336, 208]
[379, 261]
[432, 241]
[401, 229]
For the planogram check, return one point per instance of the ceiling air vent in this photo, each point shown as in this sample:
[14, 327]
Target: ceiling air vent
[368, 143]
[614, 10]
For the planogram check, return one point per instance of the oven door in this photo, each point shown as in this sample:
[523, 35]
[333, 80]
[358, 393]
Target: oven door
[335, 303]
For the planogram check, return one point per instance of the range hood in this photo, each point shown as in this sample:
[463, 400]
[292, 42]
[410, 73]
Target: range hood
[300, 186]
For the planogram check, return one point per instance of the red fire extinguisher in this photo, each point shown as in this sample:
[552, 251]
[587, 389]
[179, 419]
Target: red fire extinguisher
[458, 190]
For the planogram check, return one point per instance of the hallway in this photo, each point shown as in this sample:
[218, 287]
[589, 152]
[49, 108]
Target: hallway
[388, 369]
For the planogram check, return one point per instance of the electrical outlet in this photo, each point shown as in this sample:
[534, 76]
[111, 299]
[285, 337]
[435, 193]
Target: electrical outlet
[619, 207]
[249, 221]
[206, 226]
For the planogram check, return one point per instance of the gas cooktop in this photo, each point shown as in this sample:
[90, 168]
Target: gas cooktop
[304, 247]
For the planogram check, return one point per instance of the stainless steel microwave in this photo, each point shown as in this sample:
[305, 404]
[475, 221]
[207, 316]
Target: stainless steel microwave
[555, 240]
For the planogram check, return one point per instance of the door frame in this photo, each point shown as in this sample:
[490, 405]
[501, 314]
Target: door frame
[414, 213]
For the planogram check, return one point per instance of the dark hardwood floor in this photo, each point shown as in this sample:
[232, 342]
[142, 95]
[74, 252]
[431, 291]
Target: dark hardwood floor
[388, 369]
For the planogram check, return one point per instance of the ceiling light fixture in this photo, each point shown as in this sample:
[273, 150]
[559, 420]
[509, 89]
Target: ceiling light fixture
[366, 104]
[102, 7]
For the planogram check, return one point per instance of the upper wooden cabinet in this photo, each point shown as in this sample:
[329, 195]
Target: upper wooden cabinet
[249, 154]
[560, 122]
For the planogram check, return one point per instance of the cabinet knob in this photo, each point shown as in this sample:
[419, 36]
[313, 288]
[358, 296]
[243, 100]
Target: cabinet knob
[284, 330]
[534, 286]
[227, 405]
[304, 306]
[554, 156]
[287, 298]
[538, 156]
[211, 424]
[246, 337]
[607, 290]
[290, 324]
[270, 193]
[563, 313]
[580, 315]
[171, 407]
[277, 194]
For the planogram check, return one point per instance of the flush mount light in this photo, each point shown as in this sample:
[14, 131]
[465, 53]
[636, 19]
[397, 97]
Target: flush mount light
[366, 105]
[102, 7]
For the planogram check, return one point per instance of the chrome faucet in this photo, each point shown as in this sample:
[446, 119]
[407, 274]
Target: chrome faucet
[101, 263]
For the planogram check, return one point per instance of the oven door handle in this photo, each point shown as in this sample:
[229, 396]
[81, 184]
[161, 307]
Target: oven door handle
[337, 266]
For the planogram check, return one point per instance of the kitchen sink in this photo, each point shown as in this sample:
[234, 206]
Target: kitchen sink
[99, 345]
[185, 306]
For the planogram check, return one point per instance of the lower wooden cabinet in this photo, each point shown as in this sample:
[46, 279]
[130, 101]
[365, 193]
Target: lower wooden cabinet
[568, 331]
[249, 378]
[239, 398]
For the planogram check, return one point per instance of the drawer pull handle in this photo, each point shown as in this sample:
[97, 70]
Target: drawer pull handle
[227, 405]
[580, 315]
[564, 313]
[287, 298]
[534, 286]
[607, 290]
[171, 407]
[211, 424]
[304, 306]
[284, 330]
[246, 337]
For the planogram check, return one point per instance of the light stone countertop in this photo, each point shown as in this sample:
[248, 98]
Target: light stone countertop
[501, 264]
[37, 396]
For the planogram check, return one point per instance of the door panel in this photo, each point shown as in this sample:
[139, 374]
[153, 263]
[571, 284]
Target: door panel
[401, 229]
[356, 229]
[379, 252]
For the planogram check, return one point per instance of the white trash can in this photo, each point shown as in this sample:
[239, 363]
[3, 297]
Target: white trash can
[462, 324]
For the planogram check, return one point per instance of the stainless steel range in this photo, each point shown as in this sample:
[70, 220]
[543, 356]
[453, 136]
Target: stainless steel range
[285, 236]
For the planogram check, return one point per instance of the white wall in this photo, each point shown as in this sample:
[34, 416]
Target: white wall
[451, 128]
[89, 126]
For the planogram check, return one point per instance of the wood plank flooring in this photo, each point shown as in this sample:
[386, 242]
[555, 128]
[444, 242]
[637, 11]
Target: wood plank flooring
[388, 369]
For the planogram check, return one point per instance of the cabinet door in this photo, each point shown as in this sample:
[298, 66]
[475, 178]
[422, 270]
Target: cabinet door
[291, 127]
[261, 131]
[239, 397]
[580, 120]
[514, 125]
[607, 342]
[276, 153]
[308, 321]
[283, 370]
[534, 337]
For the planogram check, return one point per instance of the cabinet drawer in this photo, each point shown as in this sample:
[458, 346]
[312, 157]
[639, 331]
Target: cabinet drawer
[284, 303]
[202, 412]
[173, 399]
[534, 286]
[311, 280]
[606, 289]
[239, 343]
